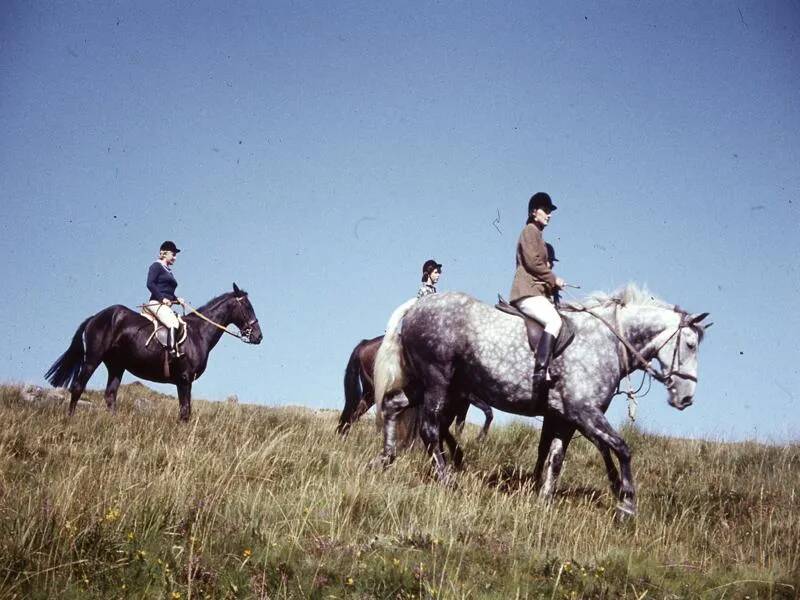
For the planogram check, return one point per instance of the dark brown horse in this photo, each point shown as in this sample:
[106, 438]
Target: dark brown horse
[359, 390]
[118, 336]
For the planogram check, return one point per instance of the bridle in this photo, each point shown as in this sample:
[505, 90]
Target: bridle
[665, 378]
[246, 331]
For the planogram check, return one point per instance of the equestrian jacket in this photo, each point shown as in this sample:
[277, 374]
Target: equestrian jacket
[533, 276]
[425, 289]
[161, 282]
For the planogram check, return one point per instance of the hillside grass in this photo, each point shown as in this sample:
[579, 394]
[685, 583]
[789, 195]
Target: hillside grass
[256, 502]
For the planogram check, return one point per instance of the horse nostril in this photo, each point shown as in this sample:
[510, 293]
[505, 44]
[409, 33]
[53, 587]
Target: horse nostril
[686, 401]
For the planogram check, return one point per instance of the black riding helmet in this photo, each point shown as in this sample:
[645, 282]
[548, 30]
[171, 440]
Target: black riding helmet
[169, 246]
[541, 200]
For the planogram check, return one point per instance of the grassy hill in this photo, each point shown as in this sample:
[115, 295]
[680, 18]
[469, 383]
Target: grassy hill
[255, 502]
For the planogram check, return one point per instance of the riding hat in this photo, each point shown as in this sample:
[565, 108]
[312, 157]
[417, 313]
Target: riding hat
[169, 246]
[429, 267]
[541, 200]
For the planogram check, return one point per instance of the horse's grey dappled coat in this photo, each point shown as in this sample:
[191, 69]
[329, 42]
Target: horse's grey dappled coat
[452, 344]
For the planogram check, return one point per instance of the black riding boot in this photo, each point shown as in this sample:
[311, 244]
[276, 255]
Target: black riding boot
[543, 353]
[171, 345]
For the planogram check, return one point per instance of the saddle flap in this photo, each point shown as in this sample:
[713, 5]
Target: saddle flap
[160, 332]
[534, 329]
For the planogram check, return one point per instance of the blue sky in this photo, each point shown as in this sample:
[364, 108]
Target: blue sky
[318, 153]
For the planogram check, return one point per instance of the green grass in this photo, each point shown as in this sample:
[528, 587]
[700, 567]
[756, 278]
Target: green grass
[255, 502]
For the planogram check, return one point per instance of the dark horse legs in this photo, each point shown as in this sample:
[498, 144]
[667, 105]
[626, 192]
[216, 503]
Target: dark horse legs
[437, 381]
[554, 439]
[114, 379]
[185, 398]
[79, 384]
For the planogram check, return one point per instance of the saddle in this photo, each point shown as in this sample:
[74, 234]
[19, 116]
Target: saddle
[160, 333]
[535, 329]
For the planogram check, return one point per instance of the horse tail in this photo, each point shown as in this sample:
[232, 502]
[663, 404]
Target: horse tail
[353, 389]
[63, 372]
[389, 373]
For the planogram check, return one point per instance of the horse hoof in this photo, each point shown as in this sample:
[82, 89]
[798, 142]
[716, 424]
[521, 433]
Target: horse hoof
[625, 512]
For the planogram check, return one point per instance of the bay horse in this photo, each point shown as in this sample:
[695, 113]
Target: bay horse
[454, 342]
[359, 390]
[117, 337]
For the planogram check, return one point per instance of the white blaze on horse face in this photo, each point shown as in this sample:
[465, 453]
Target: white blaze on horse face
[678, 358]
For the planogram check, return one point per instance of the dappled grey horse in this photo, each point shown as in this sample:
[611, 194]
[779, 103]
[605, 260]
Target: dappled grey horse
[453, 342]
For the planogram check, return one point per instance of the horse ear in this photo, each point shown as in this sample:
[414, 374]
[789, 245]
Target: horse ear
[695, 319]
[236, 289]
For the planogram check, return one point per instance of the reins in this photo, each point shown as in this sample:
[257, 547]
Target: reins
[193, 310]
[628, 346]
[665, 378]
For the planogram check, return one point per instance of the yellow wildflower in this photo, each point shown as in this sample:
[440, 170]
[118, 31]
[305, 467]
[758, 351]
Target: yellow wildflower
[350, 581]
[112, 515]
[247, 553]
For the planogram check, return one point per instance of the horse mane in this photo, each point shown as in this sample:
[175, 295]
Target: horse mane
[631, 294]
[218, 300]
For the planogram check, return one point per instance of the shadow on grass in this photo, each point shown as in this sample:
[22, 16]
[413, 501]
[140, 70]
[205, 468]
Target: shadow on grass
[513, 480]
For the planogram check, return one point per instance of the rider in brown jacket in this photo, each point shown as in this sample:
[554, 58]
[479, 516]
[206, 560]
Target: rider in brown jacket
[534, 283]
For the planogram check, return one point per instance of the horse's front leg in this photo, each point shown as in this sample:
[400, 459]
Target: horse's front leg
[456, 453]
[184, 386]
[555, 437]
[488, 416]
[596, 428]
[611, 471]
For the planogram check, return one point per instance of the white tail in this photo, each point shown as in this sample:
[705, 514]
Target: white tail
[389, 375]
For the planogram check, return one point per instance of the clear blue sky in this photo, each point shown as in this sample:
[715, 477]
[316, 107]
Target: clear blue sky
[317, 153]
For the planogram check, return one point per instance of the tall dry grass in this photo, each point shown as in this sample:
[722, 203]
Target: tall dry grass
[254, 502]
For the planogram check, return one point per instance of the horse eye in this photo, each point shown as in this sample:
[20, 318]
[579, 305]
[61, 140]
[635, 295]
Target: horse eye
[691, 345]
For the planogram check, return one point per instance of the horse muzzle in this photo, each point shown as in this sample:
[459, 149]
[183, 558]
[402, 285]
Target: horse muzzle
[252, 335]
[681, 403]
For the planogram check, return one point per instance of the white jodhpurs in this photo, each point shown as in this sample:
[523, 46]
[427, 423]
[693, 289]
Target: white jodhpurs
[163, 313]
[541, 309]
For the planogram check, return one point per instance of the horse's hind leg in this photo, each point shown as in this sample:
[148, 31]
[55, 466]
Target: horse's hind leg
[114, 379]
[392, 407]
[431, 428]
[555, 438]
[79, 384]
